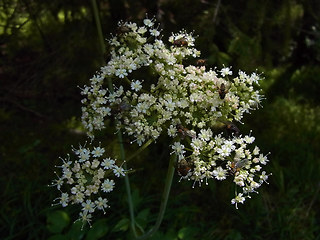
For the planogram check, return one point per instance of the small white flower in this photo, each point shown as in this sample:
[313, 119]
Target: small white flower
[88, 206]
[142, 30]
[133, 26]
[64, 199]
[205, 134]
[148, 22]
[86, 165]
[132, 67]
[58, 182]
[154, 32]
[107, 185]
[238, 199]
[197, 143]
[263, 159]
[95, 164]
[257, 168]
[256, 151]
[113, 41]
[118, 171]
[67, 174]
[108, 163]
[74, 190]
[219, 173]
[85, 217]
[79, 197]
[136, 86]
[80, 150]
[225, 71]
[229, 144]
[178, 148]
[249, 139]
[169, 104]
[97, 151]
[121, 73]
[100, 173]
[224, 151]
[254, 185]
[76, 167]
[84, 155]
[263, 177]
[172, 131]
[239, 180]
[101, 203]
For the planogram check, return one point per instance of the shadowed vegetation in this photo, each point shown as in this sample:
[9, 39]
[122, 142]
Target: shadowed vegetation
[49, 48]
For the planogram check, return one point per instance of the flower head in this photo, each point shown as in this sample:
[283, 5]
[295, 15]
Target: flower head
[189, 104]
[84, 177]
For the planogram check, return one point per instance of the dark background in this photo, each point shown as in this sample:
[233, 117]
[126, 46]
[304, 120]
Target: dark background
[48, 48]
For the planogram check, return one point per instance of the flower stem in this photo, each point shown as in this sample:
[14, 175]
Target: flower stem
[128, 188]
[164, 198]
[144, 146]
[126, 177]
[98, 25]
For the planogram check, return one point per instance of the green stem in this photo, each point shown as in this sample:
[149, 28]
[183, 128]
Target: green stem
[126, 177]
[98, 25]
[136, 153]
[164, 198]
[128, 188]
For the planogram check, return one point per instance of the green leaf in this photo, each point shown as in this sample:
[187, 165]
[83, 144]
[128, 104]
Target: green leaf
[122, 225]
[98, 230]
[142, 218]
[57, 221]
[75, 233]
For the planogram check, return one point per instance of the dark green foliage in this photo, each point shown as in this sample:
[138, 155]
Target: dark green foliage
[48, 48]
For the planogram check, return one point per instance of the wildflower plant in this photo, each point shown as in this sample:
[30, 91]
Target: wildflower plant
[195, 107]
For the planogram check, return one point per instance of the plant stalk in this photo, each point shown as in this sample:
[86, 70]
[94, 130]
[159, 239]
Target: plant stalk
[164, 198]
[128, 188]
[143, 147]
[99, 28]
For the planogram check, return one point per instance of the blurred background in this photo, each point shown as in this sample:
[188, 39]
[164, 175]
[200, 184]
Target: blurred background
[49, 48]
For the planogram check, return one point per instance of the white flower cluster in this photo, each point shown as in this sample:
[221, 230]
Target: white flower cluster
[86, 180]
[174, 98]
[218, 157]
[188, 95]
[136, 47]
